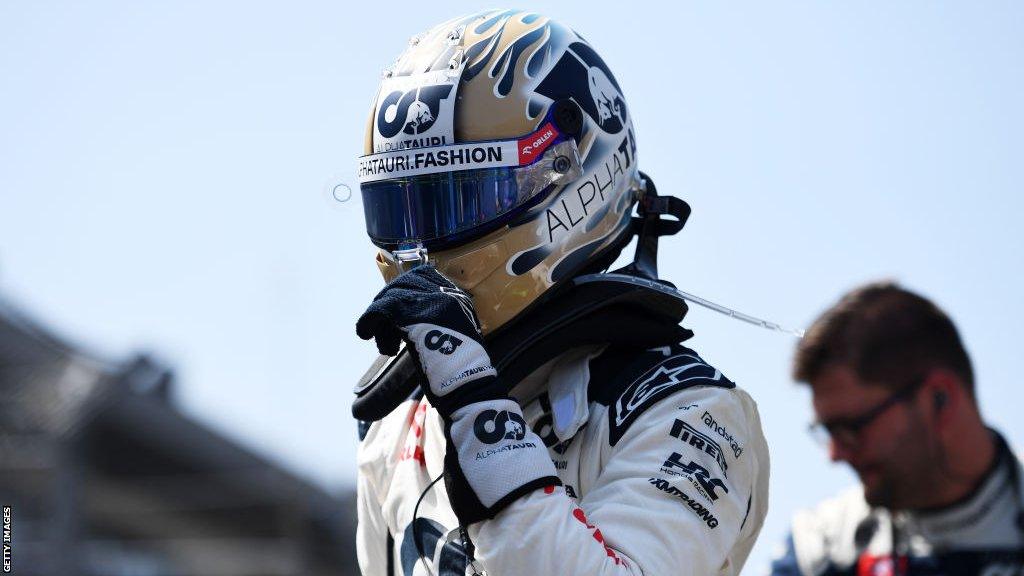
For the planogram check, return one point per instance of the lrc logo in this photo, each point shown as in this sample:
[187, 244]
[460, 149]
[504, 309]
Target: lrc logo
[412, 112]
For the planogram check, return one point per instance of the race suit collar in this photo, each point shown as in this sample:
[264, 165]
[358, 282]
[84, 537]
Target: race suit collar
[565, 378]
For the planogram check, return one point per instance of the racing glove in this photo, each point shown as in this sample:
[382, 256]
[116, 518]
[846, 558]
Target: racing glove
[492, 456]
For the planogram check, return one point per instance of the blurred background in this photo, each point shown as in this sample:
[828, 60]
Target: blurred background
[179, 286]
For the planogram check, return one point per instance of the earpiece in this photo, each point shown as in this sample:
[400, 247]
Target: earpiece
[940, 401]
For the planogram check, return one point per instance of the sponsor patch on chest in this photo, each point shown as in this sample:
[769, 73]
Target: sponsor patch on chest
[671, 375]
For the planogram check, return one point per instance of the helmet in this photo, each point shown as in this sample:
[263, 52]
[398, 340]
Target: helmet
[500, 149]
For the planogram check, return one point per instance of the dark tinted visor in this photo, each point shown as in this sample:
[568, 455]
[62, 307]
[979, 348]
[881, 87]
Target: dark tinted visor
[433, 209]
[430, 207]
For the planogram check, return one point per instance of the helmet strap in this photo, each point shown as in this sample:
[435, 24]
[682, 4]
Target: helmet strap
[649, 226]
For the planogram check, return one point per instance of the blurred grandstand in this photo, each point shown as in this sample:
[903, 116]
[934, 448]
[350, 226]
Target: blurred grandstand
[106, 476]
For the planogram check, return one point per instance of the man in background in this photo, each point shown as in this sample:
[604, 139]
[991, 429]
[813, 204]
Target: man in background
[894, 397]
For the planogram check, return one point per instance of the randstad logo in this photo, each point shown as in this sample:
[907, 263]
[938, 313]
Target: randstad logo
[441, 342]
[412, 112]
[492, 426]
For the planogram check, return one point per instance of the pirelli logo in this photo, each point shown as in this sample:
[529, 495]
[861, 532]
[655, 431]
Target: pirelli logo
[700, 441]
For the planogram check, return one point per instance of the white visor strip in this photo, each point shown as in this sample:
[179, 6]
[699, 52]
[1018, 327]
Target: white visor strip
[418, 161]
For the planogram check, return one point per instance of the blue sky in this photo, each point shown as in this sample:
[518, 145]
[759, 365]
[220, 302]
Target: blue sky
[162, 175]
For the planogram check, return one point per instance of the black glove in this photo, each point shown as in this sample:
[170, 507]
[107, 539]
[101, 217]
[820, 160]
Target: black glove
[492, 456]
[439, 322]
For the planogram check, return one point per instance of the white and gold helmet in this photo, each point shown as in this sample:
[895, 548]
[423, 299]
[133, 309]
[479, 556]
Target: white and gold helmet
[500, 148]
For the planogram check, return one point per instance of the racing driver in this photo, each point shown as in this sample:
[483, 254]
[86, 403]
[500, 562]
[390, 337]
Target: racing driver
[532, 413]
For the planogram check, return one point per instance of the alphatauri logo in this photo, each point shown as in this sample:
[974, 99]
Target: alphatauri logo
[492, 426]
[581, 75]
[412, 112]
[441, 342]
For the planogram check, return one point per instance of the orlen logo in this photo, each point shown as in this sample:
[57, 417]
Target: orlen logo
[441, 342]
[412, 112]
[492, 426]
[536, 143]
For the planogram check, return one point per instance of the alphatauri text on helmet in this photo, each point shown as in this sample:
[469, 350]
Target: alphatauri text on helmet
[441, 159]
[575, 206]
[465, 156]
[413, 143]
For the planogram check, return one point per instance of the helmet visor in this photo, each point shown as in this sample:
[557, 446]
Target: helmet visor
[433, 206]
[440, 208]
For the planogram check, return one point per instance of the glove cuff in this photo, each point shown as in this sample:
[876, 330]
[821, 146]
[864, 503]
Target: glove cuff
[492, 459]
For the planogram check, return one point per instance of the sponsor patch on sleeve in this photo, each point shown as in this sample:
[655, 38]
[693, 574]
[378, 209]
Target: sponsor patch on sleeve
[700, 441]
[676, 373]
[699, 509]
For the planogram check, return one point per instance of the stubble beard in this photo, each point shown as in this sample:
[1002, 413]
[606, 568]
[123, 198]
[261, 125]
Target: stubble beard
[911, 477]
